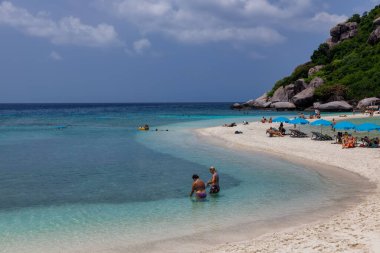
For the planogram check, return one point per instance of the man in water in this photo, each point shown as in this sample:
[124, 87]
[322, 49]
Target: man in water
[198, 187]
[214, 181]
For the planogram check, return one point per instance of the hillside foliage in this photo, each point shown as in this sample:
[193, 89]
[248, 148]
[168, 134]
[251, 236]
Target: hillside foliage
[353, 64]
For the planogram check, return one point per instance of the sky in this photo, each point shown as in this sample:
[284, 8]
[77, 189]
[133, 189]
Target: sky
[86, 51]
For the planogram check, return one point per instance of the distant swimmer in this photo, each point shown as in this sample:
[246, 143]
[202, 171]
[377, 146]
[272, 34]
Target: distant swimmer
[214, 181]
[198, 187]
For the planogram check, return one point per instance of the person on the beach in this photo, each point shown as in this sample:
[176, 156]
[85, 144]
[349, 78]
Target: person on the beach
[198, 187]
[214, 181]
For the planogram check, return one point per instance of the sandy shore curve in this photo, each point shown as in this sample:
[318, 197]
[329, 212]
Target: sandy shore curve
[357, 229]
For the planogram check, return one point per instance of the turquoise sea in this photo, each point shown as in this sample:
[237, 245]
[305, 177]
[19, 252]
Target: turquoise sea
[82, 178]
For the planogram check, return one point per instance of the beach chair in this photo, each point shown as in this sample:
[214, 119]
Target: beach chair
[320, 137]
[316, 136]
[297, 134]
[327, 137]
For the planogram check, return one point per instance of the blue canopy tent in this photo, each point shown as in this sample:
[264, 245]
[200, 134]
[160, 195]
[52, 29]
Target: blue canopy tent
[321, 122]
[281, 119]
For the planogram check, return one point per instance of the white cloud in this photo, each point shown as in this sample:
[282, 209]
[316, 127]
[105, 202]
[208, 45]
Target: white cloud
[200, 21]
[140, 46]
[331, 19]
[203, 21]
[55, 56]
[323, 21]
[68, 30]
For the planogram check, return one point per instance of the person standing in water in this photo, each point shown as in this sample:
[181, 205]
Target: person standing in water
[198, 187]
[214, 181]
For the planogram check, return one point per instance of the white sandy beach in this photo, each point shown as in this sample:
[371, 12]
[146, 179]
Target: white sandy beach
[354, 230]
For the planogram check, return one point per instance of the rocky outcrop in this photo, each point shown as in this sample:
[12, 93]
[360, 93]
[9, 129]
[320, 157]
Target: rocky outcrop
[283, 106]
[284, 94]
[305, 98]
[342, 32]
[237, 106]
[367, 102]
[376, 22]
[280, 95]
[314, 70]
[374, 37]
[334, 106]
[260, 102]
[316, 82]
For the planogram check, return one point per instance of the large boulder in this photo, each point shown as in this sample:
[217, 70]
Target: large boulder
[283, 106]
[284, 94]
[260, 102]
[280, 95]
[316, 82]
[314, 70]
[335, 106]
[367, 102]
[305, 98]
[342, 32]
[374, 37]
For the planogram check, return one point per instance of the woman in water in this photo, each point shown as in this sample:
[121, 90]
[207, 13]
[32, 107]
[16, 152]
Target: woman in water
[198, 187]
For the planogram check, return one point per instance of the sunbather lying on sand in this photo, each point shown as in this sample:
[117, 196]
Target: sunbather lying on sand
[274, 132]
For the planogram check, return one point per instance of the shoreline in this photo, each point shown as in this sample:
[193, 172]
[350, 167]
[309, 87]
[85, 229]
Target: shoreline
[356, 229]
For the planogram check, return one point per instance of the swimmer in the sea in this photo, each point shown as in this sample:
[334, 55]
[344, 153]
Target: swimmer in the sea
[198, 187]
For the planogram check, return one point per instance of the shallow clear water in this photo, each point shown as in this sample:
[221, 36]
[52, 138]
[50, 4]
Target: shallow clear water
[81, 177]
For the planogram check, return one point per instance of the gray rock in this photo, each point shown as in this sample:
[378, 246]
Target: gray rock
[237, 106]
[376, 22]
[299, 85]
[267, 104]
[330, 43]
[335, 106]
[316, 82]
[305, 98]
[283, 106]
[284, 94]
[374, 37]
[280, 95]
[335, 32]
[261, 101]
[314, 70]
[367, 102]
[342, 32]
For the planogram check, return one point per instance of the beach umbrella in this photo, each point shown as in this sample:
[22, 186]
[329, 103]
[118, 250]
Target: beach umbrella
[367, 127]
[321, 122]
[299, 121]
[344, 125]
[281, 119]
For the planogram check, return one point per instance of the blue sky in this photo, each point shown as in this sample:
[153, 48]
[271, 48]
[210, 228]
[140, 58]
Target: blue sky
[158, 50]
